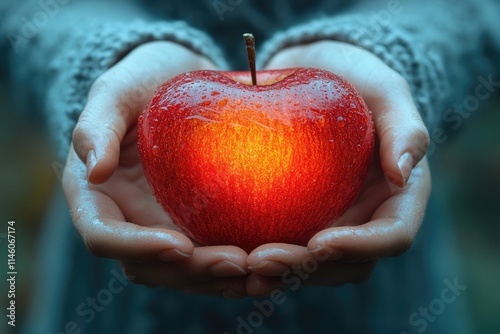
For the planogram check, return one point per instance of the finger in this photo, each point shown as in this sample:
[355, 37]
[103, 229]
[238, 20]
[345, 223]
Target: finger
[391, 231]
[276, 259]
[104, 230]
[205, 265]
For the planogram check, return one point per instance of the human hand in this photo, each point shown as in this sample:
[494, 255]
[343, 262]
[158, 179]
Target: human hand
[385, 218]
[111, 203]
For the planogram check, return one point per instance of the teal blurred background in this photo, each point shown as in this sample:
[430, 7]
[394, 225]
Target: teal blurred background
[466, 175]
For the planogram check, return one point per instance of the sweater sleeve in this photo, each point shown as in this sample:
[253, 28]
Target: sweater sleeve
[56, 49]
[440, 46]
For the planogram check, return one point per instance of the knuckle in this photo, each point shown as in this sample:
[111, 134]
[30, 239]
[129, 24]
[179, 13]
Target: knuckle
[388, 133]
[80, 140]
[396, 87]
[114, 134]
[78, 132]
[99, 84]
[422, 139]
[399, 82]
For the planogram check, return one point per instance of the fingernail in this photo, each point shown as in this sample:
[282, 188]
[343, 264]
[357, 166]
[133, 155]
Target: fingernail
[90, 162]
[405, 165]
[231, 294]
[225, 268]
[269, 268]
[327, 253]
[171, 255]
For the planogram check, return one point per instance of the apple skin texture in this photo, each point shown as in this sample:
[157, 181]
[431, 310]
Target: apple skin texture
[236, 164]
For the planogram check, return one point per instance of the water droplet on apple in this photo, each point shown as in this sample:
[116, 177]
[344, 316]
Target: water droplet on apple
[156, 150]
[204, 97]
[215, 93]
[205, 103]
[350, 96]
[258, 105]
[222, 103]
[341, 121]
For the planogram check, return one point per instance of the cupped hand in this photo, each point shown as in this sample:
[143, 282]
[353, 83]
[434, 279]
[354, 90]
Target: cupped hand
[110, 201]
[385, 218]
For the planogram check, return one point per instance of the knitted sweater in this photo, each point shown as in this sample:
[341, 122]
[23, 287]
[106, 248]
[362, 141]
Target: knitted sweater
[55, 49]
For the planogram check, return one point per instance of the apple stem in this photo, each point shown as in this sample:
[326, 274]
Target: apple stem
[250, 44]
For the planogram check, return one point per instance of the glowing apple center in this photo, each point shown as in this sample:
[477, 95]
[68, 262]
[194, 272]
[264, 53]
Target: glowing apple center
[241, 150]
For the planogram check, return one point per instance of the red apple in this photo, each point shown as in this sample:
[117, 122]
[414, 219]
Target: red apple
[241, 164]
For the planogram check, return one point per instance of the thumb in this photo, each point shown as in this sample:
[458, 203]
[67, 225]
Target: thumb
[403, 137]
[100, 129]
